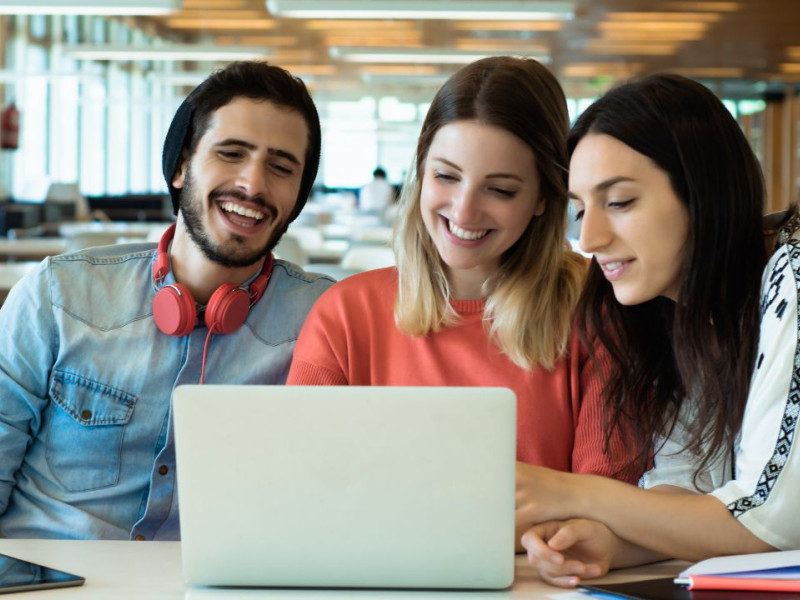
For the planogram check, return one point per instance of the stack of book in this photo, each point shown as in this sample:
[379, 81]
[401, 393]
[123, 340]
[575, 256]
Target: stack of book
[765, 572]
[765, 576]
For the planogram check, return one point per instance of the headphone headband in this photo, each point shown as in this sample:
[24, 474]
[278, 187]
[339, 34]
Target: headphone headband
[161, 263]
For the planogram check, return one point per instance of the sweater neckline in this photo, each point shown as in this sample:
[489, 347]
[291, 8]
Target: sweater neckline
[464, 307]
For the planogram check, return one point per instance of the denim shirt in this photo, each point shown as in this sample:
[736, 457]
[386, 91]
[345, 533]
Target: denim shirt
[85, 385]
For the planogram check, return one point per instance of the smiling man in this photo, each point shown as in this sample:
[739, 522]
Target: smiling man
[94, 342]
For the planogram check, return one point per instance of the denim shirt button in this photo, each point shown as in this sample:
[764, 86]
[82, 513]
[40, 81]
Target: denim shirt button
[86, 415]
[139, 537]
[163, 469]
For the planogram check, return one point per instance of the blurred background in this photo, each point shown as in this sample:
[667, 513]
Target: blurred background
[88, 88]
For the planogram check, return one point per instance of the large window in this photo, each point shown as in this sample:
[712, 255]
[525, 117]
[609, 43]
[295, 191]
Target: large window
[31, 93]
[100, 124]
[362, 134]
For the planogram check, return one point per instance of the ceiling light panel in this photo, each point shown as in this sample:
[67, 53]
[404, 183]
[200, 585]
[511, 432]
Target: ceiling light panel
[443, 56]
[89, 7]
[174, 52]
[206, 4]
[421, 9]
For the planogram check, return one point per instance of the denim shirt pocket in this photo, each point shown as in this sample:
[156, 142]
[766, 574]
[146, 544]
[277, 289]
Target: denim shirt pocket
[86, 424]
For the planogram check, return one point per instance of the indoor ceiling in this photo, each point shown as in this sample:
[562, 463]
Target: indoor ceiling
[741, 47]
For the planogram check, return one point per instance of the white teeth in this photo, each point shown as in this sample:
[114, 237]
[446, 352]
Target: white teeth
[612, 265]
[241, 210]
[464, 234]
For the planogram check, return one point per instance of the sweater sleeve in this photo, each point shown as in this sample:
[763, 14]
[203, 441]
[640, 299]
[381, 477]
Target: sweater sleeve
[592, 453]
[321, 350]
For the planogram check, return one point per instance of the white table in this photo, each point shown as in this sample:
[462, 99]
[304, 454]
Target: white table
[129, 229]
[31, 248]
[152, 571]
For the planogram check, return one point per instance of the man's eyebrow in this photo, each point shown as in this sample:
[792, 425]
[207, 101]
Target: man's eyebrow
[604, 185]
[235, 142]
[249, 146]
[284, 154]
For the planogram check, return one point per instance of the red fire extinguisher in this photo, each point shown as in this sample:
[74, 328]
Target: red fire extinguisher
[9, 127]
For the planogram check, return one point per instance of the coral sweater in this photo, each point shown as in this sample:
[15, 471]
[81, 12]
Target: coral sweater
[350, 338]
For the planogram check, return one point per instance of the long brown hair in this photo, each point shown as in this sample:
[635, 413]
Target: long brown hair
[704, 345]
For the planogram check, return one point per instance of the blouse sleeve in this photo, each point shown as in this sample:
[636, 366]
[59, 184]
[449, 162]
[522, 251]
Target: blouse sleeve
[763, 495]
[675, 466]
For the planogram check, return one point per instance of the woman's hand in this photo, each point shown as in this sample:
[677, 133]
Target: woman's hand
[565, 552]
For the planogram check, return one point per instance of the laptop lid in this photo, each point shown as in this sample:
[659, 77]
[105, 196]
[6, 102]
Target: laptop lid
[386, 487]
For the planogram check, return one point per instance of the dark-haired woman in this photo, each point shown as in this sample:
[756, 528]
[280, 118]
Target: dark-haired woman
[671, 197]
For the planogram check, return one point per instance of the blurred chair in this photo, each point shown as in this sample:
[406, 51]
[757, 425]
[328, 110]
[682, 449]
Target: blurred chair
[309, 237]
[374, 234]
[364, 258]
[65, 201]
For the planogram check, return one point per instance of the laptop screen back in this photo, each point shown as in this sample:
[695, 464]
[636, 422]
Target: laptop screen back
[384, 487]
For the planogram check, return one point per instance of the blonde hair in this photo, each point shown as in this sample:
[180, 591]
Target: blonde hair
[530, 300]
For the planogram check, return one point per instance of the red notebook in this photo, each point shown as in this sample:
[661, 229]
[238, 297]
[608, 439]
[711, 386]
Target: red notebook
[665, 589]
[711, 582]
[764, 572]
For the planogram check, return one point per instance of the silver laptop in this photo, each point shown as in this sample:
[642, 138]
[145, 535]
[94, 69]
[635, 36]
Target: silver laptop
[380, 487]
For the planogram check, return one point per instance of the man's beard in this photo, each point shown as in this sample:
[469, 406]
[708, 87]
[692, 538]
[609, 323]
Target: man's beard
[191, 207]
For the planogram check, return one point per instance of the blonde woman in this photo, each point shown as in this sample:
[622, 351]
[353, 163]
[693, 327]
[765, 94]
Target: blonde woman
[485, 284]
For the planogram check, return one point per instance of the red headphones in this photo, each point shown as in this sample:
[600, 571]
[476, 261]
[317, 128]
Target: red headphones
[174, 307]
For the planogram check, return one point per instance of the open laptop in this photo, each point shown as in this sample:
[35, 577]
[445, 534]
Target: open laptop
[379, 487]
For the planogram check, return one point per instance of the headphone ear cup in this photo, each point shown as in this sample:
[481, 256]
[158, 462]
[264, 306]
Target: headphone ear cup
[227, 309]
[174, 310]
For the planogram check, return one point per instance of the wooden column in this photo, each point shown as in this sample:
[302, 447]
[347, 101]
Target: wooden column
[788, 145]
[774, 143]
[790, 151]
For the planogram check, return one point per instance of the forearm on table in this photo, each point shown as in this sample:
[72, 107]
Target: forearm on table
[680, 525]
[629, 554]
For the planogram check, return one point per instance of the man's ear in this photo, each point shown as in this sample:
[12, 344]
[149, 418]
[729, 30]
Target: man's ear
[180, 174]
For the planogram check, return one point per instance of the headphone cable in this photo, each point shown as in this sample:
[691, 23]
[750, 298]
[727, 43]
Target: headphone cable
[205, 356]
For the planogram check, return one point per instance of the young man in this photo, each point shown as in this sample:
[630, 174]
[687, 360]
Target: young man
[93, 343]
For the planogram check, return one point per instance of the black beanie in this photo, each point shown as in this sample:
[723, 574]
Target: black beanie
[180, 132]
[178, 137]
